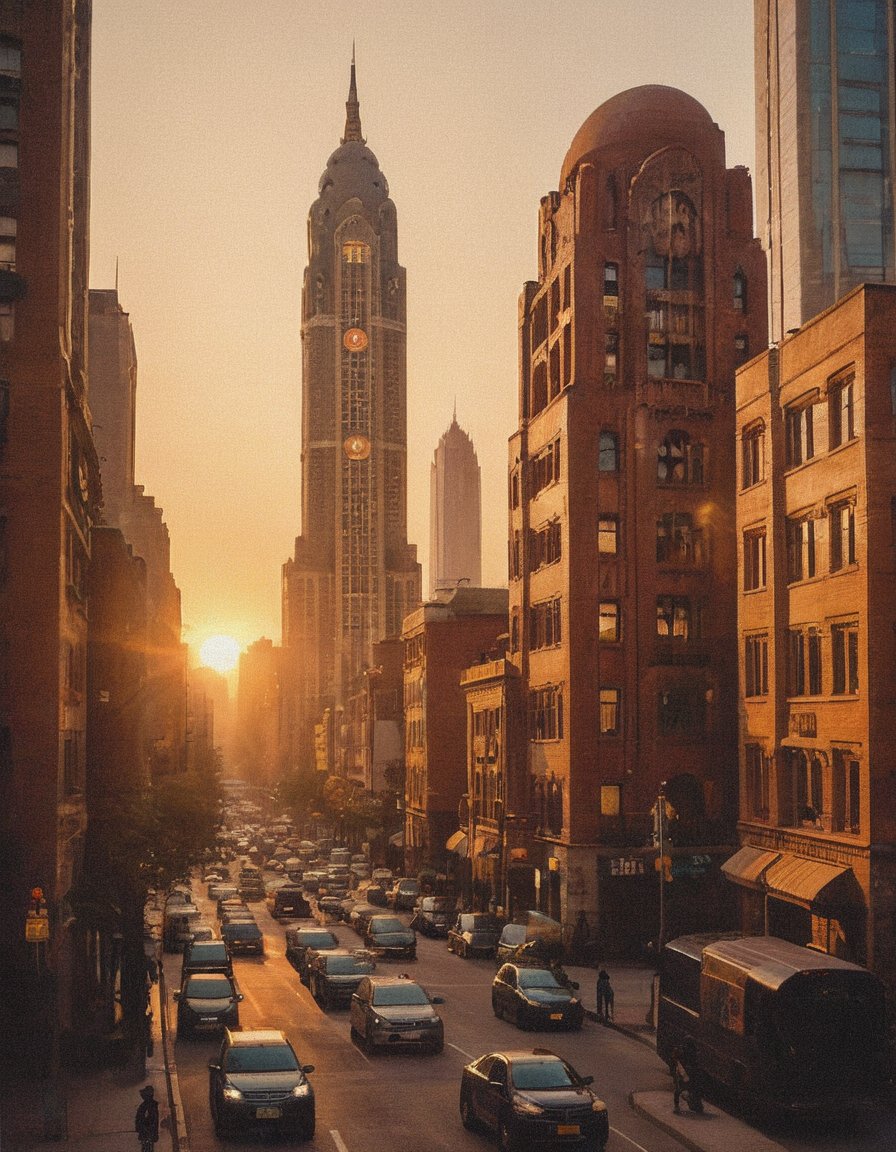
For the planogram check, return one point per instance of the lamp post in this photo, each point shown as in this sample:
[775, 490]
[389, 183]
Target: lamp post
[661, 837]
[500, 904]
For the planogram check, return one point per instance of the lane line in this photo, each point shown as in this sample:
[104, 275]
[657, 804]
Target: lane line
[338, 1141]
[624, 1137]
[466, 1055]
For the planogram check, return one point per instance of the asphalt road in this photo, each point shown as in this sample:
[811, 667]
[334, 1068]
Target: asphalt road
[406, 1103]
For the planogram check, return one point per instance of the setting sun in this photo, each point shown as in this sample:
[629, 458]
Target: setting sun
[220, 652]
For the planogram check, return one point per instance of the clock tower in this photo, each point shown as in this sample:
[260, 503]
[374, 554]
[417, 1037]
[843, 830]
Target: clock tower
[353, 576]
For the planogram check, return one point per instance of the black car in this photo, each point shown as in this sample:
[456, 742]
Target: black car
[474, 934]
[243, 936]
[334, 975]
[257, 1082]
[299, 941]
[207, 1001]
[432, 916]
[404, 893]
[388, 936]
[206, 956]
[375, 893]
[533, 1100]
[288, 901]
[392, 1011]
[361, 915]
[534, 998]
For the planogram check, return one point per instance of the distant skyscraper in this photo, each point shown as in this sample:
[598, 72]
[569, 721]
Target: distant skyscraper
[354, 576]
[824, 150]
[455, 512]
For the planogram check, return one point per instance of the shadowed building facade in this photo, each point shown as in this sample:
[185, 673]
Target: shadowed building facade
[650, 292]
[455, 513]
[353, 576]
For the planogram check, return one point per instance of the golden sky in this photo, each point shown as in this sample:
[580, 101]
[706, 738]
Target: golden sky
[212, 123]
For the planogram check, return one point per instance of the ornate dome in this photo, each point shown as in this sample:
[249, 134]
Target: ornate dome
[353, 170]
[655, 108]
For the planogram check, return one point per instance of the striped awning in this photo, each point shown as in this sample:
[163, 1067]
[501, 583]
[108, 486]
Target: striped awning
[748, 866]
[457, 842]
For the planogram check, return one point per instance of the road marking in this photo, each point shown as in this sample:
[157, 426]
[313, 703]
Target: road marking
[624, 1137]
[467, 1055]
[338, 1141]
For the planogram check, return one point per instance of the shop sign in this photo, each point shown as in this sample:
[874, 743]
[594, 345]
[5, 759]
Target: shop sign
[690, 865]
[627, 866]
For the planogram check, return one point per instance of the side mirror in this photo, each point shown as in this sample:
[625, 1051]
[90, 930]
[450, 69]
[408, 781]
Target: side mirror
[239, 996]
[307, 1069]
[175, 996]
[437, 999]
[586, 1080]
[574, 984]
[213, 1067]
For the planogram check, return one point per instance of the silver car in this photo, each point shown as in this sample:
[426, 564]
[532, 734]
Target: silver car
[392, 1011]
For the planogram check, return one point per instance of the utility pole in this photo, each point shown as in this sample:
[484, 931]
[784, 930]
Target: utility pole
[661, 863]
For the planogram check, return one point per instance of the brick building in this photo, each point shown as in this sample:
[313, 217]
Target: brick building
[816, 521]
[650, 292]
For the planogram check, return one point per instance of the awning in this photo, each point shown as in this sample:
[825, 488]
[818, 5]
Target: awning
[457, 842]
[748, 865]
[809, 883]
[485, 845]
[397, 839]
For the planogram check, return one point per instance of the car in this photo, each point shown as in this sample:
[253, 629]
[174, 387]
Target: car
[432, 916]
[223, 890]
[375, 893]
[330, 906]
[213, 877]
[360, 916]
[534, 998]
[335, 974]
[243, 936]
[288, 901]
[258, 1082]
[404, 893]
[177, 926]
[392, 1011]
[207, 1000]
[382, 876]
[533, 1100]
[512, 936]
[202, 930]
[300, 940]
[229, 902]
[235, 915]
[474, 934]
[388, 936]
[206, 956]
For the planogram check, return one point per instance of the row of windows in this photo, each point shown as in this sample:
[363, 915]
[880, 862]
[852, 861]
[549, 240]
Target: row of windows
[802, 546]
[681, 709]
[805, 661]
[544, 624]
[812, 792]
[677, 618]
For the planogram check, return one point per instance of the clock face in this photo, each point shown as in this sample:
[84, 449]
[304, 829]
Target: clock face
[355, 340]
[356, 447]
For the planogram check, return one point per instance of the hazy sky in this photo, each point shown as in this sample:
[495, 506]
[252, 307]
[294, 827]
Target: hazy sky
[212, 123]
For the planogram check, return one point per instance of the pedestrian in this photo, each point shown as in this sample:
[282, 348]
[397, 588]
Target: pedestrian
[694, 1075]
[146, 1120]
[679, 1078]
[604, 990]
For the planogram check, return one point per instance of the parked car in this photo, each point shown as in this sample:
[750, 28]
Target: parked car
[474, 934]
[404, 893]
[243, 936]
[177, 925]
[206, 956]
[432, 916]
[533, 1100]
[393, 1011]
[382, 876]
[288, 901]
[207, 1001]
[258, 1082]
[388, 936]
[531, 938]
[535, 998]
[201, 930]
[334, 975]
[300, 940]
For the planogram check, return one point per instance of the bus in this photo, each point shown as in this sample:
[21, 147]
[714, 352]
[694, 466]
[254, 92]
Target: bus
[781, 1026]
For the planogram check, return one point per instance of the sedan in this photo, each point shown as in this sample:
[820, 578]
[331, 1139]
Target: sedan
[432, 916]
[534, 998]
[388, 936]
[300, 941]
[207, 1001]
[392, 1011]
[334, 976]
[533, 1100]
[474, 934]
[257, 1082]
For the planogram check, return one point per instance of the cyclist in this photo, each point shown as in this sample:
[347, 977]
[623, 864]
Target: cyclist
[146, 1121]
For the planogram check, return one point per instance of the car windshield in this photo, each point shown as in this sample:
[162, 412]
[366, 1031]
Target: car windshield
[317, 940]
[395, 994]
[476, 923]
[214, 955]
[386, 924]
[264, 1058]
[513, 934]
[209, 987]
[347, 966]
[543, 1074]
[537, 978]
[241, 928]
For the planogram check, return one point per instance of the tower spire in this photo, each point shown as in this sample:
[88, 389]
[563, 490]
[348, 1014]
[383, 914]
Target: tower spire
[352, 111]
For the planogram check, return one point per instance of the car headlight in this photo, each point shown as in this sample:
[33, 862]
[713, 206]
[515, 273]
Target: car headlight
[379, 1022]
[527, 1107]
[303, 1089]
[598, 1106]
[231, 1093]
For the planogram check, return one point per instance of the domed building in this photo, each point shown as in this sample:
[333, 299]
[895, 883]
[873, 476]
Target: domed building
[650, 292]
[353, 576]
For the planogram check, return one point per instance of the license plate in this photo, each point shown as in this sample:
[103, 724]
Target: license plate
[271, 1114]
[556, 1015]
[568, 1130]
[410, 1035]
[208, 1019]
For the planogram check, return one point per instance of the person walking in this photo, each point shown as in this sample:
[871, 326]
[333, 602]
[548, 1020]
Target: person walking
[146, 1120]
[604, 990]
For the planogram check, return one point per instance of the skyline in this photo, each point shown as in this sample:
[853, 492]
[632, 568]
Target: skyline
[241, 121]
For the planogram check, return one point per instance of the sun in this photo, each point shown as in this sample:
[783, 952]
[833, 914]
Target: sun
[220, 652]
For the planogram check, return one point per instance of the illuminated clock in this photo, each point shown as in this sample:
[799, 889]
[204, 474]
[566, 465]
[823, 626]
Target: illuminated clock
[356, 447]
[355, 340]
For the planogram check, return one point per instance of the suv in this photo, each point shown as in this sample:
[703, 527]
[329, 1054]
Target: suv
[404, 893]
[243, 936]
[206, 956]
[288, 900]
[333, 976]
[388, 1011]
[207, 1000]
[257, 1082]
[301, 941]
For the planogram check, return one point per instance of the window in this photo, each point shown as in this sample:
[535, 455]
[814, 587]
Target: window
[673, 617]
[611, 281]
[845, 658]
[608, 453]
[546, 467]
[756, 665]
[796, 664]
[813, 661]
[354, 252]
[608, 535]
[9, 116]
[842, 520]
[681, 709]
[611, 356]
[678, 460]
[752, 455]
[9, 155]
[841, 415]
[739, 291]
[544, 624]
[610, 711]
[799, 438]
[515, 489]
[677, 541]
[8, 243]
[757, 782]
[754, 559]
[546, 713]
[846, 793]
[516, 567]
[806, 797]
[800, 549]
[608, 621]
[10, 58]
[545, 545]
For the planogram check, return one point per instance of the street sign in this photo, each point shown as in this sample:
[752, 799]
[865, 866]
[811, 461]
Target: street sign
[37, 929]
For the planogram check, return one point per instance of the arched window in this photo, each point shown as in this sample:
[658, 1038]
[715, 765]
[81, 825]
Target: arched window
[679, 460]
[608, 452]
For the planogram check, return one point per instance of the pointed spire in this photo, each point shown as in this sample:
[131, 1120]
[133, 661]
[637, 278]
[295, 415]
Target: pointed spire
[352, 111]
